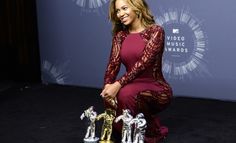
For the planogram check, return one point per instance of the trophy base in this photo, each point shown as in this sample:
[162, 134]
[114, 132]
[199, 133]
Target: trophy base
[104, 141]
[91, 140]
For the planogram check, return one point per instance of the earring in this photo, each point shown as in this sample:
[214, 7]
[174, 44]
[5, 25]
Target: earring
[138, 13]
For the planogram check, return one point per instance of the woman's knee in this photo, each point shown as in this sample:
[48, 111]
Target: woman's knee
[125, 96]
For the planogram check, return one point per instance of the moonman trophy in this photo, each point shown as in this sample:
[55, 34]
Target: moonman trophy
[91, 115]
[140, 125]
[108, 117]
[126, 128]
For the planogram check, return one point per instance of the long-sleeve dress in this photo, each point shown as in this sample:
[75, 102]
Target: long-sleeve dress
[144, 89]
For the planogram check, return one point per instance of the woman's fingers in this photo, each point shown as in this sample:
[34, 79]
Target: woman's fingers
[110, 90]
[105, 94]
[104, 91]
[102, 94]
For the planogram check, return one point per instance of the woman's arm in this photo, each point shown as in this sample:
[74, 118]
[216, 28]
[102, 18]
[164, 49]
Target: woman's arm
[114, 63]
[111, 88]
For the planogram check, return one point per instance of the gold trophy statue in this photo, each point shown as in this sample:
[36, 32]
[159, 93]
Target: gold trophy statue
[108, 117]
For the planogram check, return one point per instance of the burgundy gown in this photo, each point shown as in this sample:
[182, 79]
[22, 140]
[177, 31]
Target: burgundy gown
[144, 89]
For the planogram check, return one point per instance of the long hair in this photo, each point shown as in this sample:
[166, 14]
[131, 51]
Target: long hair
[140, 7]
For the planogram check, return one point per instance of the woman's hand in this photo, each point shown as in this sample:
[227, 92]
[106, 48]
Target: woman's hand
[110, 90]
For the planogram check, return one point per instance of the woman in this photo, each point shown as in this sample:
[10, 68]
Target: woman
[138, 43]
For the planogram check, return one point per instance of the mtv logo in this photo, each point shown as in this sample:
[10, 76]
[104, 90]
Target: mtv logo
[175, 31]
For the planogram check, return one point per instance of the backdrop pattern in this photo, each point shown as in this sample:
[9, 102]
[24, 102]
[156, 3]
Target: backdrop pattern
[75, 41]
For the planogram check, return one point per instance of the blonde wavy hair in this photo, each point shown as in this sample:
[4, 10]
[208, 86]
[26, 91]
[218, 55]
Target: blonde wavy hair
[140, 7]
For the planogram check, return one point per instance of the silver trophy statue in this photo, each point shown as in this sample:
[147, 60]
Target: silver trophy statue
[140, 125]
[126, 129]
[91, 115]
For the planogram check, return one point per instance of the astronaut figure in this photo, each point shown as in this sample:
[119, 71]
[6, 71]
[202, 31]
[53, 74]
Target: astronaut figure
[108, 117]
[140, 125]
[91, 115]
[126, 128]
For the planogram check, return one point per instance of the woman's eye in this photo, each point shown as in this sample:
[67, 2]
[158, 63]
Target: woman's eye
[125, 8]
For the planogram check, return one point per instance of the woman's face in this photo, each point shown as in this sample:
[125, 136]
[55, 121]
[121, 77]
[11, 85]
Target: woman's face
[125, 13]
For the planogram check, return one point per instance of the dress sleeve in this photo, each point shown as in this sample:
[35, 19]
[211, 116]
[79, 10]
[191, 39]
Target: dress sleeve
[151, 50]
[114, 63]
